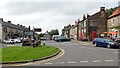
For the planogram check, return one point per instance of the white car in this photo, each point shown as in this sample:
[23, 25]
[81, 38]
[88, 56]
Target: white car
[17, 41]
[11, 41]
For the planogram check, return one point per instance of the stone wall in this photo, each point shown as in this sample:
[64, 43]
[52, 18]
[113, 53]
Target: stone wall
[0, 30]
[116, 23]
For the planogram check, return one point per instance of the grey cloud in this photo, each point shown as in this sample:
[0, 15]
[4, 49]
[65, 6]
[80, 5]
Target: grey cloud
[18, 8]
[67, 8]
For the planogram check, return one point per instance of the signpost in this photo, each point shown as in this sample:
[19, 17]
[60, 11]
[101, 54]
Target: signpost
[37, 29]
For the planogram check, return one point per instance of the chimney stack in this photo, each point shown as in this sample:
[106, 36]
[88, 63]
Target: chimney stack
[29, 28]
[84, 17]
[18, 24]
[1, 19]
[21, 26]
[75, 22]
[9, 21]
[102, 8]
[88, 15]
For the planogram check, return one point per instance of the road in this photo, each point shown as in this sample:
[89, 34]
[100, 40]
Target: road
[81, 54]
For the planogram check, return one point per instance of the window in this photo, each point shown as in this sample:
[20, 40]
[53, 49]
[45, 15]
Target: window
[119, 19]
[110, 24]
[84, 23]
[112, 21]
[84, 30]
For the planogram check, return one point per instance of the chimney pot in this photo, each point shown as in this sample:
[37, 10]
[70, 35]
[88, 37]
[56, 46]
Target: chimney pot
[1, 19]
[9, 21]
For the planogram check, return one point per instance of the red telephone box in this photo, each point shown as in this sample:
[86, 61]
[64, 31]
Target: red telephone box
[94, 35]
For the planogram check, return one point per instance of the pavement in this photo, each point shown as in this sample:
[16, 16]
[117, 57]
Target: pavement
[8, 45]
[81, 54]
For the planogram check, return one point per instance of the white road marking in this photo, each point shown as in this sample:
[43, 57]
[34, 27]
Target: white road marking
[83, 61]
[48, 63]
[60, 62]
[111, 49]
[72, 62]
[96, 61]
[109, 60]
[116, 52]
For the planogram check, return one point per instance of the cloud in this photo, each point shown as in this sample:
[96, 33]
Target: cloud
[48, 15]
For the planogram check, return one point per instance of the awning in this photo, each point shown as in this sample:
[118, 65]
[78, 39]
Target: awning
[105, 32]
[110, 33]
[113, 33]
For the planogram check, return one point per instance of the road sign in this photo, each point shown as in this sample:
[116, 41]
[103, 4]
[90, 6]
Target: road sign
[37, 29]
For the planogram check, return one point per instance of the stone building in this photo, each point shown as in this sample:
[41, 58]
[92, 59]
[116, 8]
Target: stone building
[66, 31]
[113, 23]
[96, 22]
[9, 30]
[73, 31]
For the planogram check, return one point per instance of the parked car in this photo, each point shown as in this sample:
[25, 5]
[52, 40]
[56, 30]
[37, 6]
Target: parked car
[44, 38]
[17, 41]
[11, 41]
[20, 39]
[61, 39]
[84, 39]
[55, 36]
[105, 42]
[118, 43]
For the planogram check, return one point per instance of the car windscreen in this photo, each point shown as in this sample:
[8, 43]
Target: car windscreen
[107, 39]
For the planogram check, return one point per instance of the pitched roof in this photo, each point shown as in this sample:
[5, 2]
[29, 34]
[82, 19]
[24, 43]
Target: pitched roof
[75, 26]
[116, 12]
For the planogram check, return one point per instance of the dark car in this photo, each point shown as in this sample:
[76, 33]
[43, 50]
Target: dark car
[118, 43]
[106, 42]
[84, 39]
[61, 39]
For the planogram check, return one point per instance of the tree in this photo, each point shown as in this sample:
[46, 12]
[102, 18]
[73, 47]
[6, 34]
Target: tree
[111, 10]
[40, 35]
[54, 32]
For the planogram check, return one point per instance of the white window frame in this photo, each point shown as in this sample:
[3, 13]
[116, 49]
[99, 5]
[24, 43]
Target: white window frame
[84, 30]
[84, 24]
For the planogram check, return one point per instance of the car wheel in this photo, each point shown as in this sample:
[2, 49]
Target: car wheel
[96, 44]
[108, 46]
[59, 41]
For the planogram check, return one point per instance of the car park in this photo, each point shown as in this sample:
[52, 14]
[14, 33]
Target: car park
[10, 41]
[106, 42]
[61, 39]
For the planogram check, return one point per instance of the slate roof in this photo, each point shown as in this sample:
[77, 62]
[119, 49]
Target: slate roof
[11, 25]
[116, 12]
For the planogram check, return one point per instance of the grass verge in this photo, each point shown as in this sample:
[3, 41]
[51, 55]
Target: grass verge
[19, 53]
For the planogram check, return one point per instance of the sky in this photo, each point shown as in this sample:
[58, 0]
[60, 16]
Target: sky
[50, 14]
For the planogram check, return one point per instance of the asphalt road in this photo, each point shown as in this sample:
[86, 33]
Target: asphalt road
[81, 54]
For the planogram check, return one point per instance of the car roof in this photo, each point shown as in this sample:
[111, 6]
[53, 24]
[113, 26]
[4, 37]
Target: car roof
[100, 38]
